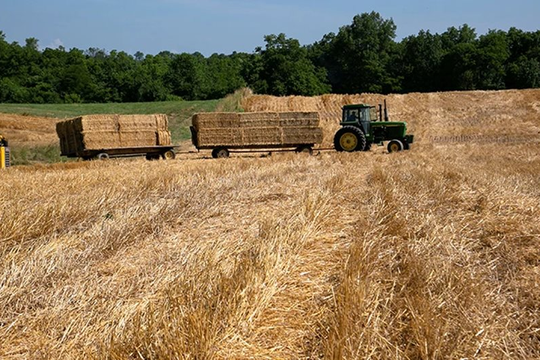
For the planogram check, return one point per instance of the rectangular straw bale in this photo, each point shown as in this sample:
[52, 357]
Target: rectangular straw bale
[219, 137]
[163, 137]
[137, 122]
[259, 119]
[162, 122]
[302, 135]
[215, 120]
[138, 138]
[101, 122]
[61, 132]
[262, 136]
[95, 140]
[299, 119]
[74, 141]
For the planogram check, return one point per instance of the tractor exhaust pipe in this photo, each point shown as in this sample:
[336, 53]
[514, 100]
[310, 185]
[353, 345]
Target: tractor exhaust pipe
[385, 111]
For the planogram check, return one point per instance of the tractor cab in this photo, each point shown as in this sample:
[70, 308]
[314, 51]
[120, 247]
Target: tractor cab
[360, 115]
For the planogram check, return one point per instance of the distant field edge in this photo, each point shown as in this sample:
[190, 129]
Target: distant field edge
[74, 110]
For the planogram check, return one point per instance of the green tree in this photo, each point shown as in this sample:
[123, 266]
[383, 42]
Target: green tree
[285, 69]
[224, 73]
[421, 62]
[360, 55]
[492, 56]
[150, 78]
[524, 59]
[523, 73]
[459, 64]
[186, 76]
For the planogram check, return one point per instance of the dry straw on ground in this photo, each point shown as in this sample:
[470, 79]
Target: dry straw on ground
[428, 254]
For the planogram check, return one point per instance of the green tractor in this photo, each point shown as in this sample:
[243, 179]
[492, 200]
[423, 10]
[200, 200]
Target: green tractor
[362, 126]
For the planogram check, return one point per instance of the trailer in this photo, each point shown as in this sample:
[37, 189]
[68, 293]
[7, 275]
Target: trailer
[109, 135]
[224, 133]
[150, 152]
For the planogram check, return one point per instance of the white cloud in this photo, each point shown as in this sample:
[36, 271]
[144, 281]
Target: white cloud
[55, 44]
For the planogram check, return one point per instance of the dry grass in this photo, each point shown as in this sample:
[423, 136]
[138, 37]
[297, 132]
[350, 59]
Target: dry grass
[429, 254]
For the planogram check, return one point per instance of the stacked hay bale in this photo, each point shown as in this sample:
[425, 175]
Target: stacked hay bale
[255, 129]
[96, 132]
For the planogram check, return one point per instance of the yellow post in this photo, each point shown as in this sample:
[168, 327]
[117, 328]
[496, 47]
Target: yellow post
[2, 157]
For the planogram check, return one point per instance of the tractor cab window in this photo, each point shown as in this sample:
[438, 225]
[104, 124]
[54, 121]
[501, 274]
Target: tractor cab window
[352, 115]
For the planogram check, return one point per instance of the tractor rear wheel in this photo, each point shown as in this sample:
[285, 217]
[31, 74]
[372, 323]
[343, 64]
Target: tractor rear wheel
[395, 146]
[349, 138]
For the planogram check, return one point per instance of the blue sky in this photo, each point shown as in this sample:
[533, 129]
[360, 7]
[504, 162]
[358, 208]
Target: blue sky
[213, 26]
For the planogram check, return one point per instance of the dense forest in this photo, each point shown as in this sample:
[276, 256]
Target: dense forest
[362, 57]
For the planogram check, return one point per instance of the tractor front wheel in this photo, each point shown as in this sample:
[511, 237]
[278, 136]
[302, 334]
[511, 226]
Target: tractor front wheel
[395, 146]
[349, 138]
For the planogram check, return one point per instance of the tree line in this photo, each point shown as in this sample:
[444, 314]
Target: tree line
[361, 57]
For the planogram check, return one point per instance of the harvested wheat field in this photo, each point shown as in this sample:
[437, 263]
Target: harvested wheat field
[28, 130]
[428, 254]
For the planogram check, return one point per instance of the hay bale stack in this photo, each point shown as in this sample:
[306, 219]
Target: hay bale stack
[110, 131]
[255, 129]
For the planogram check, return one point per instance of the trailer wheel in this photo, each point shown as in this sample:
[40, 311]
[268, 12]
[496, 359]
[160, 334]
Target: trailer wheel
[218, 153]
[168, 155]
[102, 156]
[395, 146]
[152, 156]
[306, 149]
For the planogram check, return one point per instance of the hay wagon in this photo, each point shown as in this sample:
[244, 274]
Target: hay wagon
[224, 133]
[104, 136]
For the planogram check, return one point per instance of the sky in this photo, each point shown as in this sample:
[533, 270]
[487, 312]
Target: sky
[226, 26]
